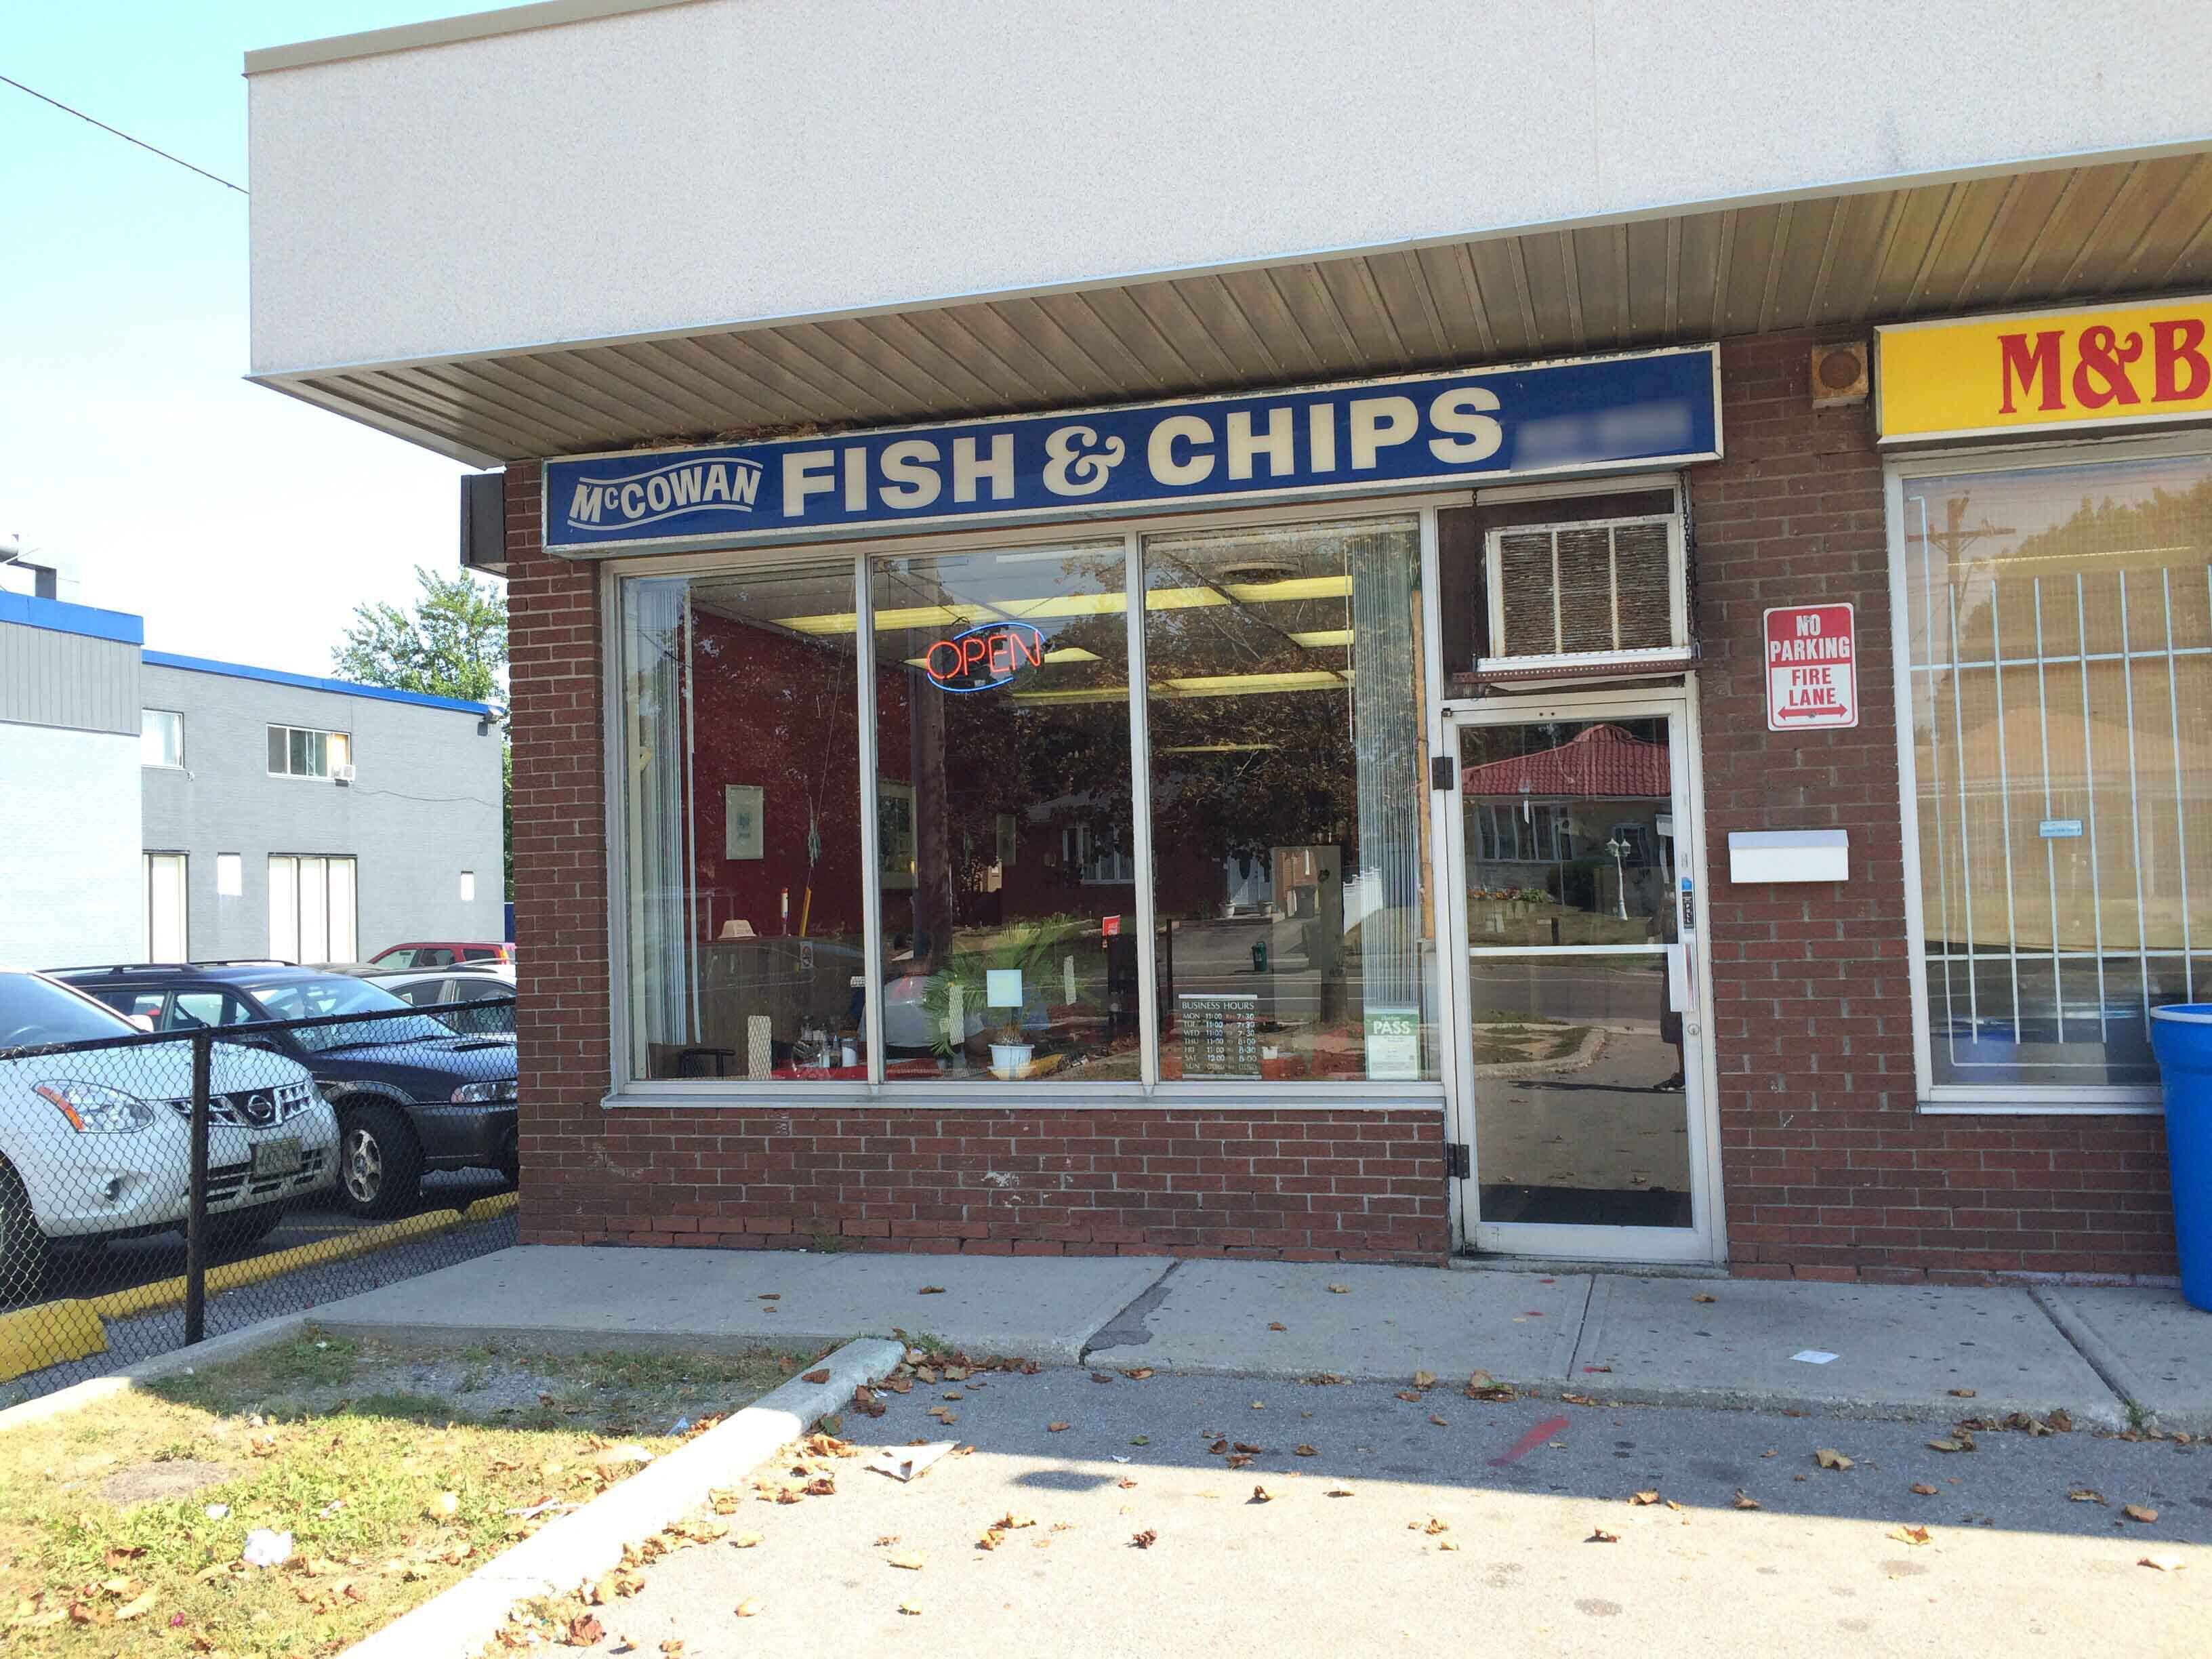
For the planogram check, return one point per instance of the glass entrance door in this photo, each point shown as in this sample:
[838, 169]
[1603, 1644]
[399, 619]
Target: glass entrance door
[1581, 1054]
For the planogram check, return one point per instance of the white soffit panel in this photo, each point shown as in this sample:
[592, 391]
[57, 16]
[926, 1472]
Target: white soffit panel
[1838, 263]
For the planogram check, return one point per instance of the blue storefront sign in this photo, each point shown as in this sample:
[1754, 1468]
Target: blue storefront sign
[1425, 431]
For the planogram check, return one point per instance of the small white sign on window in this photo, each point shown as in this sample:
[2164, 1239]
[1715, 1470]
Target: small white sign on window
[1003, 987]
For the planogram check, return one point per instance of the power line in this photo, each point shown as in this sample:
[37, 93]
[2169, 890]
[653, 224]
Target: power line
[123, 135]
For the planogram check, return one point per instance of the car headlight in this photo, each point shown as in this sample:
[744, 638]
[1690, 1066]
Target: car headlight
[95, 1109]
[479, 1094]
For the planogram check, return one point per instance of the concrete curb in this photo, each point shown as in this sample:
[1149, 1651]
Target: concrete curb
[588, 1543]
[2104, 1414]
[2108, 1362]
[214, 1352]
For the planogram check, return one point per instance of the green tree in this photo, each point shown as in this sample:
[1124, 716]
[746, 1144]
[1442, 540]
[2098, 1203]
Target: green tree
[450, 642]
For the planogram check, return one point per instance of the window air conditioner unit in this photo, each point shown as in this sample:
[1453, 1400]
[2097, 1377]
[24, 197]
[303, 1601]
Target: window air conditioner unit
[1600, 598]
[342, 775]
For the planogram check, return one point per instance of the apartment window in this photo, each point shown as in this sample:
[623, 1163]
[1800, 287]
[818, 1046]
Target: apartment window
[312, 908]
[2057, 620]
[297, 751]
[229, 875]
[468, 887]
[167, 911]
[161, 738]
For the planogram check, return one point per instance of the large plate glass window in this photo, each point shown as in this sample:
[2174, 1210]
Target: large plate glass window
[1290, 813]
[740, 800]
[2058, 633]
[1003, 815]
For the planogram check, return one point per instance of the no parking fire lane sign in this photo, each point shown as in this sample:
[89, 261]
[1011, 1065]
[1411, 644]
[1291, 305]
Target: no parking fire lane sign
[1812, 667]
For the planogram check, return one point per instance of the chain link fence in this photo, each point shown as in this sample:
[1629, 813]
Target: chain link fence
[158, 1189]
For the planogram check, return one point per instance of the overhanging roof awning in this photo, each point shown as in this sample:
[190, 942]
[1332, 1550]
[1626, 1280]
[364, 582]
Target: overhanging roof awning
[1834, 261]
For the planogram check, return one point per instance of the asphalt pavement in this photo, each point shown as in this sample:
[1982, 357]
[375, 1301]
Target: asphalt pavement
[1442, 1523]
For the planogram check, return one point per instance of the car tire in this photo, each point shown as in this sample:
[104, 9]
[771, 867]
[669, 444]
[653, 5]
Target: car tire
[240, 1228]
[24, 1247]
[380, 1162]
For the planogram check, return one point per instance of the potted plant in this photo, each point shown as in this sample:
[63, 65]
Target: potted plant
[1025, 950]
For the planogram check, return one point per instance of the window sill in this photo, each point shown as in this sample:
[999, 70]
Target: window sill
[709, 1093]
[2041, 1109]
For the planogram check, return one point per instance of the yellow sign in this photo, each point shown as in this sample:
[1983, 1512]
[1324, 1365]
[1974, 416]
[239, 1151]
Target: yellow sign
[2038, 371]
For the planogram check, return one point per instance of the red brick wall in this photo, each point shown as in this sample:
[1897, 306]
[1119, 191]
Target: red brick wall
[1295, 1184]
[1829, 1169]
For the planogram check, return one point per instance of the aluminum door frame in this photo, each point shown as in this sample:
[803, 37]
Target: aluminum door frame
[1706, 1240]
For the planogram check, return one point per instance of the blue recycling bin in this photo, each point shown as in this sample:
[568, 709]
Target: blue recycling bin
[2181, 1037]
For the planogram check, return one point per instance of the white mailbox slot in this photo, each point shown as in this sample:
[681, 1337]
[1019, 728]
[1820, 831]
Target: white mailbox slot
[1790, 855]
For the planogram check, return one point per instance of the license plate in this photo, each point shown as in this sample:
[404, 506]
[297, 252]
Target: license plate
[277, 1158]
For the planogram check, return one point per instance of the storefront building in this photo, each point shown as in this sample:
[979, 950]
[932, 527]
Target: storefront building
[1665, 736]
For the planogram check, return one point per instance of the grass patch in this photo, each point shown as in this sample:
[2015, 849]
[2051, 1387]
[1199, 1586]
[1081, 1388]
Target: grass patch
[122, 1525]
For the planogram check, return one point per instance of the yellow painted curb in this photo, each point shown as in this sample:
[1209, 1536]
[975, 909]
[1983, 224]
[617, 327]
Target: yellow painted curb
[32, 1339]
[170, 1292]
[490, 1209]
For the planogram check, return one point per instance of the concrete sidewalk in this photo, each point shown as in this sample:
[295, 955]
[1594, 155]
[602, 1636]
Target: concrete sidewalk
[1913, 1351]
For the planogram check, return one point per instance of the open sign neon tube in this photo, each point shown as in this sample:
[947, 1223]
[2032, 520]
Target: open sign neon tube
[978, 658]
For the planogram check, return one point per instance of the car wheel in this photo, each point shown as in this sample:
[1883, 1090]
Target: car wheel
[23, 1245]
[242, 1227]
[379, 1165]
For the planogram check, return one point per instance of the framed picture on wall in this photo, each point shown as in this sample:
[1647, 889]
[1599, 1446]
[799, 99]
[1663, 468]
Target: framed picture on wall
[743, 831]
[894, 832]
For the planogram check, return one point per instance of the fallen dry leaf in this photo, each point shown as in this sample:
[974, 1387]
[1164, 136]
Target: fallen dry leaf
[1911, 1534]
[1145, 1539]
[931, 1289]
[673, 1647]
[1924, 1489]
[1436, 1526]
[1962, 1393]
[1277, 1325]
[1440, 1422]
[1600, 1535]
[1702, 1296]
[1139, 1374]
[1577, 1400]
[1304, 1451]
[138, 1607]
[1829, 1458]
[1054, 1428]
[1425, 1379]
[911, 1609]
[1339, 1289]
[1640, 1499]
[908, 1563]
[2162, 1563]
[1744, 1500]
[821, 1374]
[584, 1631]
[1949, 1444]
[2141, 1512]
[1409, 1396]
[2084, 1495]
[1339, 1492]
[1262, 1495]
[748, 1608]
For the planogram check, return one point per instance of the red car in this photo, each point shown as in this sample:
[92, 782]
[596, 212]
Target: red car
[440, 954]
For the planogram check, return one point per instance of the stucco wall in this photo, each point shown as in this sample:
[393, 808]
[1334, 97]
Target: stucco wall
[71, 887]
[743, 160]
[424, 807]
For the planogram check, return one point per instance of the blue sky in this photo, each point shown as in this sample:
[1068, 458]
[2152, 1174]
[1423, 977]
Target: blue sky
[239, 523]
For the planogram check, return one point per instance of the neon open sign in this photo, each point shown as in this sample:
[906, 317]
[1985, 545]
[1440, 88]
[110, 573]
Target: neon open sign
[980, 658]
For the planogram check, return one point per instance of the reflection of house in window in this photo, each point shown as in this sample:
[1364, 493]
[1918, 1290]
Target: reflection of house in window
[1097, 861]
